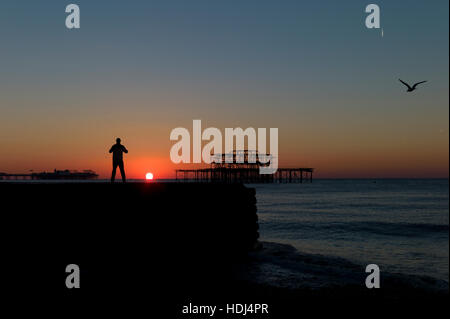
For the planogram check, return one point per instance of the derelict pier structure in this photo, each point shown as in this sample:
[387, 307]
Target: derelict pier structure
[243, 167]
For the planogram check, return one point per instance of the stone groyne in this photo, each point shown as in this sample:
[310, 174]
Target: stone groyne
[119, 234]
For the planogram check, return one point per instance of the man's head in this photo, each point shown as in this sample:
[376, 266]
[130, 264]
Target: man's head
[118, 140]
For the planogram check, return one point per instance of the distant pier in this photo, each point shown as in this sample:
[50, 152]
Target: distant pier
[244, 168]
[5, 176]
[55, 175]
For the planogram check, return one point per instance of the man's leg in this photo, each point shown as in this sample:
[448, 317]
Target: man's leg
[113, 175]
[122, 172]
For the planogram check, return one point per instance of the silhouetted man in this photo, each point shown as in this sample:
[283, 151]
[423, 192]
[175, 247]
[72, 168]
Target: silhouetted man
[118, 150]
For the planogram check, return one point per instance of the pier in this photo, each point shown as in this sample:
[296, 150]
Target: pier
[55, 175]
[5, 176]
[244, 175]
[243, 167]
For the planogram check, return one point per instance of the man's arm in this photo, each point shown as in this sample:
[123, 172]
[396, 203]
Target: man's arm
[111, 149]
[124, 149]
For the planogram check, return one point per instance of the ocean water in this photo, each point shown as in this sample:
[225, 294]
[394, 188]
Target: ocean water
[400, 225]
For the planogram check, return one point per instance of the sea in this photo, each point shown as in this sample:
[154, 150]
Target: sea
[401, 225]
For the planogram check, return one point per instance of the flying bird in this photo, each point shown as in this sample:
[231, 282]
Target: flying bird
[410, 89]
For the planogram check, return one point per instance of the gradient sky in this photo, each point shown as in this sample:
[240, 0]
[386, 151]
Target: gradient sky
[138, 69]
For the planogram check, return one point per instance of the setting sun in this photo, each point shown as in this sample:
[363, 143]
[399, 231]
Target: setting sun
[149, 176]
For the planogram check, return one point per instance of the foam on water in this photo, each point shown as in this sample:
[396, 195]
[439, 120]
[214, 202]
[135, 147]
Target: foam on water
[400, 225]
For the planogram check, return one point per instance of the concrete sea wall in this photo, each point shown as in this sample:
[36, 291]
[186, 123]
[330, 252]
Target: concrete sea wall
[127, 231]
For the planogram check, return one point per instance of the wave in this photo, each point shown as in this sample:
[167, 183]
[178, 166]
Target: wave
[402, 229]
[374, 227]
[283, 266]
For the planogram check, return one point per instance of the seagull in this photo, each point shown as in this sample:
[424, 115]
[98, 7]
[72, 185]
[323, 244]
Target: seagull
[410, 89]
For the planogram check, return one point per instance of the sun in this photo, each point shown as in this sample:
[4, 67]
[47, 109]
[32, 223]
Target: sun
[149, 176]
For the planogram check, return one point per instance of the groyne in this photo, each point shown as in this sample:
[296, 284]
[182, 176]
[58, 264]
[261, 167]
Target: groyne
[176, 231]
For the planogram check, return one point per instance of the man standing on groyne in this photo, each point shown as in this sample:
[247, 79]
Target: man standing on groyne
[118, 150]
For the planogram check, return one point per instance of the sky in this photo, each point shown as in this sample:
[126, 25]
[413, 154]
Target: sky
[138, 69]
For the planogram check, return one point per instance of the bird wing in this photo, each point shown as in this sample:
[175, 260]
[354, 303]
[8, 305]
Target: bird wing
[418, 84]
[405, 84]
